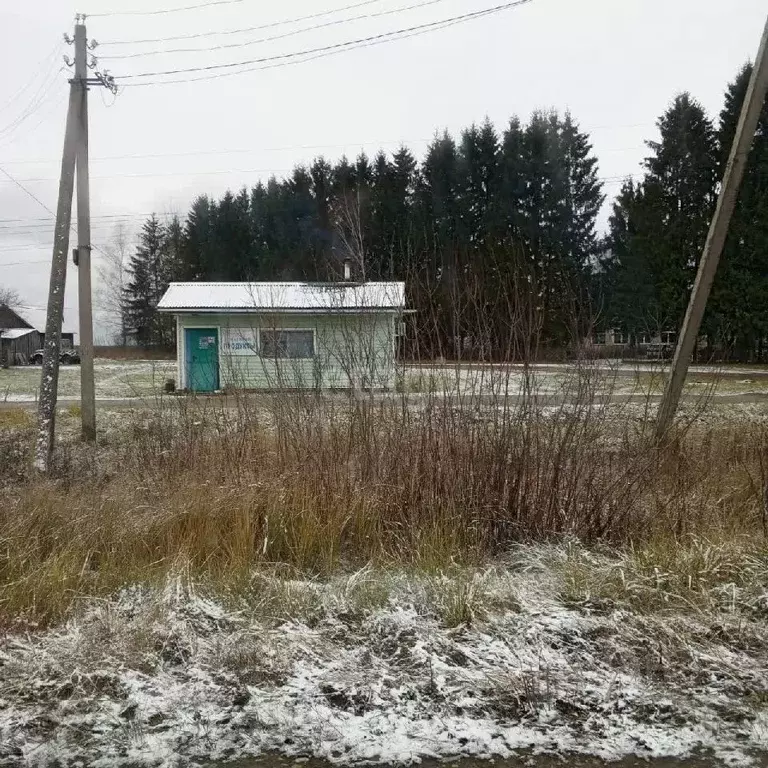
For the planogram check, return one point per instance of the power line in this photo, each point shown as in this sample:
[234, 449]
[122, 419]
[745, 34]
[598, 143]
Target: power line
[23, 263]
[293, 147]
[283, 35]
[44, 64]
[37, 101]
[26, 191]
[8, 140]
[26, 247]
[132, 214]
[297, 60]
[166, 175]
[328, 49]
[220, 172]
[249, 150]
[39, 201]
[270, 25]
[95, 216]
[166, 10]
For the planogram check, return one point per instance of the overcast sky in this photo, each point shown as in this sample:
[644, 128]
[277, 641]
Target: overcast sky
[615, 64]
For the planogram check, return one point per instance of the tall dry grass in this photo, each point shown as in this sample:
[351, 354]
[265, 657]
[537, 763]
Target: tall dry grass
[457, 465]
[317, 481]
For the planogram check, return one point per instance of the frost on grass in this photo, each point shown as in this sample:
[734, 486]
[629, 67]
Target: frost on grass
[383, 667]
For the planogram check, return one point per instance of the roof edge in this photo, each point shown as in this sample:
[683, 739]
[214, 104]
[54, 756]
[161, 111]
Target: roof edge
[280, 311]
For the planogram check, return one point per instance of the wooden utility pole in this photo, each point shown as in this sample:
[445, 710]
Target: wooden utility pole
[50, 375]
[87, 386]
[729, 192]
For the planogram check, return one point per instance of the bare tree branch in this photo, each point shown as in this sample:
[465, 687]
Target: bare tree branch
[349, 229]
[9, 297]
[111, 282]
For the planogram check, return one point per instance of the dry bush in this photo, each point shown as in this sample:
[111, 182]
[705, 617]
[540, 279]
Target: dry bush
[320, 481]
[481, 456]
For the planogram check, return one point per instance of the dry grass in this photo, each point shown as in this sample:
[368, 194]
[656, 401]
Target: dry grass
[15, 418]
[666, 574]
[133, 353]
[316, 483]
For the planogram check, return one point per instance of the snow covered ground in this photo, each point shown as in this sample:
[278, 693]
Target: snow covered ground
[132, 379]
[115, 379]
[387, 667]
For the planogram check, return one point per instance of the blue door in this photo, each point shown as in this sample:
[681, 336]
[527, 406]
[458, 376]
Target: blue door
[202, 356]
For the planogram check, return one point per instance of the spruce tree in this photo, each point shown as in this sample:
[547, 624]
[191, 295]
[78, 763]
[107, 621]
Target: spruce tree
[679, 196]
[629, 298]
[198, 237]
[514, 179]
[321, 173]
[738, 310]
[231, 257]
[479, 184]
[146, 284]
[581, 197]
[438, 193]
[554, 193]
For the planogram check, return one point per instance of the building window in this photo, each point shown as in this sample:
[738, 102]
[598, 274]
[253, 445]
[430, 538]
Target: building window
[291, 345]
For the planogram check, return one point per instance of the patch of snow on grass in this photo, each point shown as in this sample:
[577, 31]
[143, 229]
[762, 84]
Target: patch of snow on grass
[155, 676]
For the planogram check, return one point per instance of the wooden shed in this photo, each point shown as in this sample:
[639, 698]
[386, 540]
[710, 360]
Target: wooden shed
[17, 345]
[18, 339]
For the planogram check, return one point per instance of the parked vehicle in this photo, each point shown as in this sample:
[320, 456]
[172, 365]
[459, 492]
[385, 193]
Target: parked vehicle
[66, 357]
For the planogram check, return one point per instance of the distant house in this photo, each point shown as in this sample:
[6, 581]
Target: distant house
[285, 335]
[37, 317]
[20, 339]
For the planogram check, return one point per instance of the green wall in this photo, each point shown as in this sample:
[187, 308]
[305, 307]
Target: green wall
[357, 349]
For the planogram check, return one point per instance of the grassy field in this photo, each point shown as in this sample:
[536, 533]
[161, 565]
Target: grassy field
[127, 379]
[115, 379]
[437, 572]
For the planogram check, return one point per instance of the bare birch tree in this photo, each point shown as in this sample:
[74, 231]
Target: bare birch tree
[349, 231]
[112, 278]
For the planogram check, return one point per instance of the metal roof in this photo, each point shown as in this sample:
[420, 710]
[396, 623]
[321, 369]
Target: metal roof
[283, 297]
[36, 317]
[16, 333]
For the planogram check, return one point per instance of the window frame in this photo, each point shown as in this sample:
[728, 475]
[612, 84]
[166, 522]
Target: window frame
[287, 330]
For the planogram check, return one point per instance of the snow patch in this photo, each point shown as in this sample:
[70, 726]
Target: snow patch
[152, 677]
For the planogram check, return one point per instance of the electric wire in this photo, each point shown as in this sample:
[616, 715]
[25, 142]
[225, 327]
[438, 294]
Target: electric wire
[272, 38]
[325, 50]
[44, 64]
[270, 25]
[164, 11]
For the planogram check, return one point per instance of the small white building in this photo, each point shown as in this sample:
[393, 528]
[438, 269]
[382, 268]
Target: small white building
[285, 335]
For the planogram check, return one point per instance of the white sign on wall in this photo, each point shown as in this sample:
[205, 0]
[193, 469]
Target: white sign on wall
[240, 341]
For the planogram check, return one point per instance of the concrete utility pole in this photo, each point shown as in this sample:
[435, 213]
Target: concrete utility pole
[50, 375]
[729, 192]
[75, 152]
[87, 386]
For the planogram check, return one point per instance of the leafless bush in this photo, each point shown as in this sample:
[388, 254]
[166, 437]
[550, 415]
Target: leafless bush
[480, 455]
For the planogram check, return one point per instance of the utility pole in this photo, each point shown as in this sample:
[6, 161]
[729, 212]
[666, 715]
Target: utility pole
[75, 153]
[718, 230]
[50, 376]
[87, 386]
